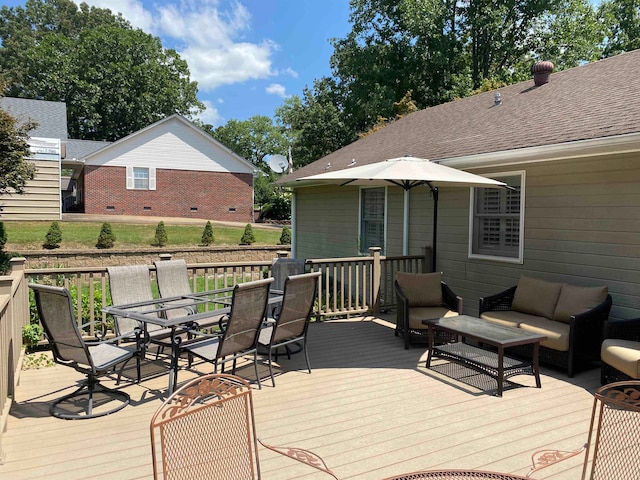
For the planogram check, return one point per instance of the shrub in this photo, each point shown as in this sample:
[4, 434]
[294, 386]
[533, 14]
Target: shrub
[53, 237]
[161, 235]
[285, 236]
[280, 209]
[107, 238]
[207, 235]
[248, 237]
[3, 236]
[32, 334]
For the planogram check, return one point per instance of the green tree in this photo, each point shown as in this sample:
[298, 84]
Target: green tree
[248, 237]
[115, 80]
[161, 235]
[285, 236]
[53, 237]
[15, 171]
[207, 235]
[622, 20]
[106, 238]
[4, 256]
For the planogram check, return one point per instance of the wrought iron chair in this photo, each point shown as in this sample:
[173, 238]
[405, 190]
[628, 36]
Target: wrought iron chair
[206, 430]
[94, 359]
[613, 447]
[241, 332]
[292, 322]
[282, 268]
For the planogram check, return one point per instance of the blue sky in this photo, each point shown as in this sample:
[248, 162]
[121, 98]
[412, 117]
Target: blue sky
[246, 55]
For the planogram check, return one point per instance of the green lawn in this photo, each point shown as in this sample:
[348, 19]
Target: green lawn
[30, 235]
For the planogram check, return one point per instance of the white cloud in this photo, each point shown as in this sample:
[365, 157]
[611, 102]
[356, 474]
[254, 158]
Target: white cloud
[211, 115]
[277, 89]
[208, 34]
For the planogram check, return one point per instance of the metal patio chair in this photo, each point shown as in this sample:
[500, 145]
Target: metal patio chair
[613, 445]
[94, 359]
[241, 331]
[292, 322]
[282, 268]
[132, 284]
[206, 430]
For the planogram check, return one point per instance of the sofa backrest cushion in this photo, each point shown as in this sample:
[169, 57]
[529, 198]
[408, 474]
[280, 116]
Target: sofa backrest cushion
[536, 297]
[421, 289]
[574, 300]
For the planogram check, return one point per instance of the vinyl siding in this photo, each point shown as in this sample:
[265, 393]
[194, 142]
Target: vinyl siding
[582, 225]
[171, 145]
[41, 200]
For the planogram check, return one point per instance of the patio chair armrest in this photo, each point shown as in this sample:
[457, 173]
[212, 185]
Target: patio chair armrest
[98, 334]
[500, 301]
[137, 333]
[628, 329]
[450, 300]
[303, 456]
[544, 458]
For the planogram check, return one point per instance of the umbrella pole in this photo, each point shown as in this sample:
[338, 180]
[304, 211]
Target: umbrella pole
[434, 190]
[405, 224]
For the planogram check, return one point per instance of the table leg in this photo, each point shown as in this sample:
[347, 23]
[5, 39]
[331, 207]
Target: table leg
[173, 365]
[535, 361]
[500, 378]
[431, 341]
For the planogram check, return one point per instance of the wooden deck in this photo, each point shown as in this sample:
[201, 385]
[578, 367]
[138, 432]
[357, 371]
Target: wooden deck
[369, 408]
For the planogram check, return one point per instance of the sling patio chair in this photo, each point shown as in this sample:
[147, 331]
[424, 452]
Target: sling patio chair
[94, 359]
[132, 284]
[173, 281]
[240, 336]
[206, 430]
[292, 322]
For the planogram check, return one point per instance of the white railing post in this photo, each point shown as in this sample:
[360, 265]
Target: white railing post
[376, 273]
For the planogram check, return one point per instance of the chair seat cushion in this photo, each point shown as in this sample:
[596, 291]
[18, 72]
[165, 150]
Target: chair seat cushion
[421, 289]
[106, 355]
[623, 355]
[417, 314]
[557, 332]
[508, 318]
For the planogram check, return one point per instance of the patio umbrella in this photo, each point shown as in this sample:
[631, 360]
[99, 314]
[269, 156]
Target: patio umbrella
[406, 172]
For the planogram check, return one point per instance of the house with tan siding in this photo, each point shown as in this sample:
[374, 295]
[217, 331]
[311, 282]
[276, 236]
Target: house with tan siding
[569, 147]
[171, 168]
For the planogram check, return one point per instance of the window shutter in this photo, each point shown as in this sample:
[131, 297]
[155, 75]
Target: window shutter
[152, 178]
[130, 184]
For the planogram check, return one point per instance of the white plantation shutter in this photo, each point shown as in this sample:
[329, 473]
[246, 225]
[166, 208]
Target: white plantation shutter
[152, 178]
[130, 183]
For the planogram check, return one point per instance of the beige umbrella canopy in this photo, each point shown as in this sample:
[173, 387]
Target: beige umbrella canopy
[405, 172]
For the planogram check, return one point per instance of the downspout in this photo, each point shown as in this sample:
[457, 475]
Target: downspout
[294, 249]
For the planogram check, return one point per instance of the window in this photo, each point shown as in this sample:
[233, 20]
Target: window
[497, 221]
[141, 178]
[372, 218]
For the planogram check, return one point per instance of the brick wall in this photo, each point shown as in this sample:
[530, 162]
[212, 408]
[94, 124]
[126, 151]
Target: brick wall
[179, 193]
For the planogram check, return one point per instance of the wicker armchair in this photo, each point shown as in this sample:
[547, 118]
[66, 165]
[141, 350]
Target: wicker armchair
[409, 315]
[620, 352]
[585, 332]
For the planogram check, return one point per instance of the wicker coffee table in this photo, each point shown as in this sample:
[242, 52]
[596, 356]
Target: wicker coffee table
[493, 363]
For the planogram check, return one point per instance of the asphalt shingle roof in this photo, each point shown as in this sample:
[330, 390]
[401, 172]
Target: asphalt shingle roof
[50, 116]
[596, 100]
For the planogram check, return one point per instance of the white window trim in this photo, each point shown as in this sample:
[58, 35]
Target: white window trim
[520, 258]
[386, 205]
[131, 179]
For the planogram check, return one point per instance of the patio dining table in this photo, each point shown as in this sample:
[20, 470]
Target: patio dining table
[208, 304]
[456, 475]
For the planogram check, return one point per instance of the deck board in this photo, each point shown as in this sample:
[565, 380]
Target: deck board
[370, 408]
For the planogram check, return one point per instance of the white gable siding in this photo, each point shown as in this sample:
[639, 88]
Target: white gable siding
[171, 145]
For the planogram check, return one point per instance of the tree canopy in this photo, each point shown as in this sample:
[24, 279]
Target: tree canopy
[15, 171]
[114, 79]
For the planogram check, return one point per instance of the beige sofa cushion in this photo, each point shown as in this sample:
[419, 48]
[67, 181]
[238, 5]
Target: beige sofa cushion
[574, 300]
[557, 332]
[536, 297]
[417, 314]
[421, 289]
[623, 355]
[508, 318]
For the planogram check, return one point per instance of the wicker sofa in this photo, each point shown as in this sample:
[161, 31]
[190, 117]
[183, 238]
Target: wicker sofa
[620, 351]
[421, 296]
[571, 317]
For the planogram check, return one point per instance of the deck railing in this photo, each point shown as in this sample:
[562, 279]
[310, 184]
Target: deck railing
[14, 314]
[349, 286]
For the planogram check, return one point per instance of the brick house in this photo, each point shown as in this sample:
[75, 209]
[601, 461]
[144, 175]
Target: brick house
[172, 169]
